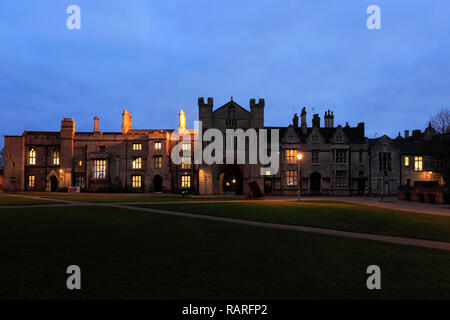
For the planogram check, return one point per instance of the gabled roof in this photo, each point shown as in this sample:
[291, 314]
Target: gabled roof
[232, 104]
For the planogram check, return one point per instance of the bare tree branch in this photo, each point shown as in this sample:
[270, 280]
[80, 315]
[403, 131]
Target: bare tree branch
[441, 121]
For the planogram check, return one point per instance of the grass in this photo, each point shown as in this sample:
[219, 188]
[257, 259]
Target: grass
[21, 201]
[331, 215]
[123, 197]
[133, 255]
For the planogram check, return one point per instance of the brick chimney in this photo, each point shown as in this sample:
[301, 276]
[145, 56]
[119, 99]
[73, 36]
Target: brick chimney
[96, 124]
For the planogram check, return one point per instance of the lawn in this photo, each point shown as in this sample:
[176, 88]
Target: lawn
[331, 215]
[133, 255]
[20, 201]
[124, 197]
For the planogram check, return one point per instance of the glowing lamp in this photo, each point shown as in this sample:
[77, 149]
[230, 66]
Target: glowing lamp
[299, 156]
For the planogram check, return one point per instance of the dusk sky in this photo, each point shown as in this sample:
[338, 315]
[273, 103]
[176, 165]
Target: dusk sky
[155, 57]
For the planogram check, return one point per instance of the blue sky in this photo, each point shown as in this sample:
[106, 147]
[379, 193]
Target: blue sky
[155, 57]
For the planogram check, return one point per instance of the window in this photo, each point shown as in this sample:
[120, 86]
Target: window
[360, 157]
[341, 178]
[136, 181]
[137, 146]
[341, 156]
[79, 182]
[157, 145]
[101, 148]
[384, 161]
[137, 163]
[99, 169]
[186, 147]
[315, 157]
[80, 163]
[418, 163]
[406, 161]
[185, 181]
[56, 157]
[315, 139]
[32, 156]
[291, 177]
[31, 181]
[339, 139]
[157, 161]
[186, 163]
[291, 156]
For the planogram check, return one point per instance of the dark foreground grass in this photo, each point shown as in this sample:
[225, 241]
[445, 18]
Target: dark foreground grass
[330, 215]
[125, 197]
[134, 255]
[20, 201]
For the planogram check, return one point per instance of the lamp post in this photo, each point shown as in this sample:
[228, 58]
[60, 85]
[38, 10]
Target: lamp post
[299, 160]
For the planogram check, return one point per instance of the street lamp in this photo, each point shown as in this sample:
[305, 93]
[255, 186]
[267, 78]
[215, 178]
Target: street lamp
[299, 158]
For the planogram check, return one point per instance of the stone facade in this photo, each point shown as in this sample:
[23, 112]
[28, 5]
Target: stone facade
[337, 160]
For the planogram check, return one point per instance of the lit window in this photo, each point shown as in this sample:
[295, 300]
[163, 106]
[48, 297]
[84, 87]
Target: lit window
[186, 147]
[418, 163]
[56, 157]
[315, 157]
[79, 182]
[100, 169]
[186, 163]
[341, 178]
[32, 156]
[137, 146]
[137, 181]
[406, 161]
[157, 145]
[291, 177]
[291, 156]
[31, 181]
[80, 163]
[137, 163]
[157, 161]
[185, 181]
[341, 156]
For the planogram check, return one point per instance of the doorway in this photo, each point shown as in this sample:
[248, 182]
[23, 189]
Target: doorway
[157, 184]
[53, 184]
[315, 181]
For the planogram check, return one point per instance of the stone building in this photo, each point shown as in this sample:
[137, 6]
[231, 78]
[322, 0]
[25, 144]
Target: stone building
[337, 160]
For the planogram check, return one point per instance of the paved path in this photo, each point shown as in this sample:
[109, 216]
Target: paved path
[366, 236]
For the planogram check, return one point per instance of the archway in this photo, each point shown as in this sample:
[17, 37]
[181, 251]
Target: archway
[230, 180]
[315, 181]
[157, 183]
[53, 184]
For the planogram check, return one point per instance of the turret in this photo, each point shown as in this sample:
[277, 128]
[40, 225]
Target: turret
[205, 112]
[257, 113]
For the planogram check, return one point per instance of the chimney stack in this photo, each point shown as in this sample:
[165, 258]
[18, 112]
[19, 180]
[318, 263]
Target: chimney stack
[96, 124]
[126, 122]
[295, 121]
[406, 133]
[303, 123]
[316, 121]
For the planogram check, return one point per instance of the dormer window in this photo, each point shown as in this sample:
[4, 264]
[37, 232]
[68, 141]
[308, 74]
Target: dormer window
[315, 139]
[338, 139]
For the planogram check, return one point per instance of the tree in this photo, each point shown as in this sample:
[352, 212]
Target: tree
[441, 121]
